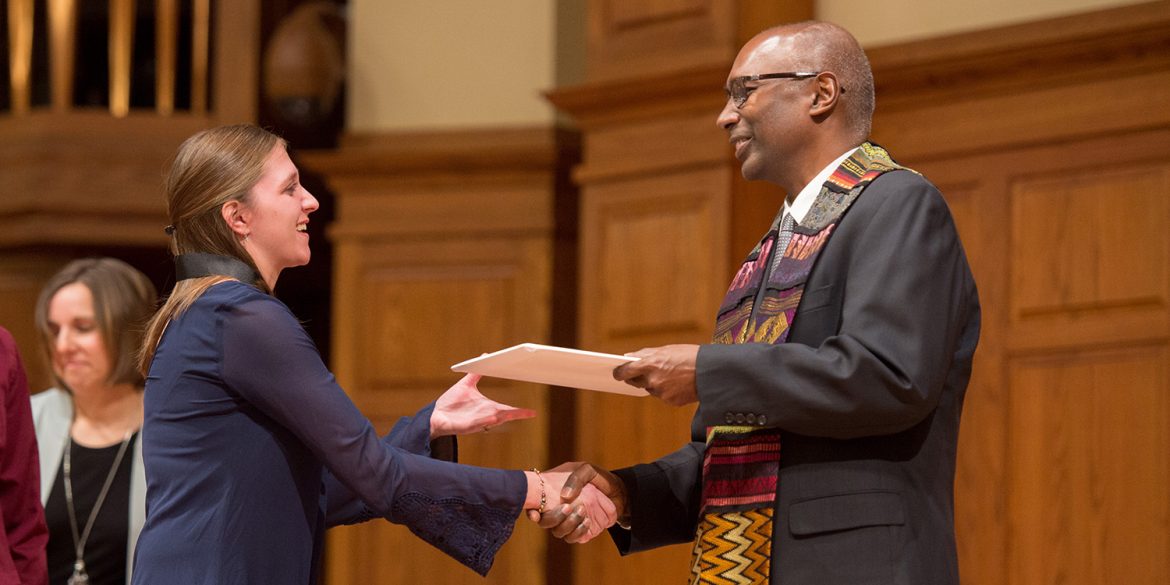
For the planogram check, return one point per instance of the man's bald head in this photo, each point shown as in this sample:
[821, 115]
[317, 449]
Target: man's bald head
[823, 46]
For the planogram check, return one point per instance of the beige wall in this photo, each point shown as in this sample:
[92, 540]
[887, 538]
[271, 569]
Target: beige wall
[483, 64]
[450, 64]
[892, 21]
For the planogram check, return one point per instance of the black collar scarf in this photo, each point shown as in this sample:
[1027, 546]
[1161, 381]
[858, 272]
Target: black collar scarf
[198, 265]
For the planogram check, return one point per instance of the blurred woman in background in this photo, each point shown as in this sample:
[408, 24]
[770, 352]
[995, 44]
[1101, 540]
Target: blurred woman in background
[91, 317]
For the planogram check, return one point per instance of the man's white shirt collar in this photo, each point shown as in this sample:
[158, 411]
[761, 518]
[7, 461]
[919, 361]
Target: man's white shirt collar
[808, 194]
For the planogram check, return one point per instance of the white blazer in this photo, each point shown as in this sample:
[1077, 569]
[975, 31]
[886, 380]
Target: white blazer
[52, 412]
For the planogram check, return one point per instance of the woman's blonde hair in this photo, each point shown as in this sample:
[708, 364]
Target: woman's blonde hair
[211, 168]
[123, 299]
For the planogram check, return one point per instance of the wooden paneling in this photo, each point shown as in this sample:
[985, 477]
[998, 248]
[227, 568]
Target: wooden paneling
[1088, 467]
[1097, 271]
[21, 279]
[1048, 140]
[650, 37]
[69, 177]
[444, 249]
[1062, 205]
[1055, 113]
[978, 205]
[673, 34]
[994, 197]
[427, 305]
[654, 240]
[672, 143]
[461, 305]
[652, 251]
[1075, 77]
[235, 68]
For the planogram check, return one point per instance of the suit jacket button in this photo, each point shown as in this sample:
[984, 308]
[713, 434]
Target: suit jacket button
[730, 418]
[763, 420]
[751, 418]
[739, 418]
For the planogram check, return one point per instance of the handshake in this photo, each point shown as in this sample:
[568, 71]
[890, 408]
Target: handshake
[583, 501]
[575, 501]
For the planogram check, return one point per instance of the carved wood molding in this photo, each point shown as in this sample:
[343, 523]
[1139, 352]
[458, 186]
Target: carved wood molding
[86, 178]
[402, 154]
[419, 183]
[1069, 78]
[1063, 50]
[607, 103]
[631, 39]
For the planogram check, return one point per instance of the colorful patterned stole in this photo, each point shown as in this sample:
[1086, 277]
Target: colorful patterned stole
[733, 542]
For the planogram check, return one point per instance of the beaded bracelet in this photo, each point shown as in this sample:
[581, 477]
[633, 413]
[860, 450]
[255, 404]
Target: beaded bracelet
[542, 495]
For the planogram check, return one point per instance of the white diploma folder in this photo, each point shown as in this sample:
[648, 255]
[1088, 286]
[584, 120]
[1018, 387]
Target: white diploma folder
[557, 366]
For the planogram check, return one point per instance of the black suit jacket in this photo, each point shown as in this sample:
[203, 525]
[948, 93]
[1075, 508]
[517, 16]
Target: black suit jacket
[868, 392]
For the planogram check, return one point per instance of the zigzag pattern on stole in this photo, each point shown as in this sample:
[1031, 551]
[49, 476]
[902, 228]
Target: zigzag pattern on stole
[735, 548]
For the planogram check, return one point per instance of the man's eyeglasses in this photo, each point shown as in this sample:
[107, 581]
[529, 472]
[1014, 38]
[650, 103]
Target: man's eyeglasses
[738, 92]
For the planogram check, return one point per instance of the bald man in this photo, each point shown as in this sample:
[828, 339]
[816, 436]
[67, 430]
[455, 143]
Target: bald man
[823, 448]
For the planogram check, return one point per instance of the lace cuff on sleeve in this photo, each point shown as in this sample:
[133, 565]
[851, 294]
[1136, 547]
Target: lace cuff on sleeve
[470, 533]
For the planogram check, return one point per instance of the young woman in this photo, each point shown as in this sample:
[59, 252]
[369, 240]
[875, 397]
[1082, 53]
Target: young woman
[251, 448]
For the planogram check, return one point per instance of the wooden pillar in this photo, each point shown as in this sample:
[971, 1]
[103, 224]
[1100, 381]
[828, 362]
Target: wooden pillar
[444, 249]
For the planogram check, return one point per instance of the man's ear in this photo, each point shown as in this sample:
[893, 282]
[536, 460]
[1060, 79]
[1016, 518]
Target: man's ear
[828, 92]
[236, 217]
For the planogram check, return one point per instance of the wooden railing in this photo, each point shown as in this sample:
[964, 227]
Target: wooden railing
[121, 23]
[77, 168]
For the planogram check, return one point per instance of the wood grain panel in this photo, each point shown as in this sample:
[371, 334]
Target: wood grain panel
[434, 206]
[979, 209]
[484, 288]
[982, 192]
[1101, 261]
[1087, 258]
[384, 560]
[670, 144]
[429, 304]
[654, 250]
[632, 40]
[626, 15]
[70, 176]
[21, 279]
[461, 310]
[444, 248]
[619, 431]
[1032, 83]
[978, 123]
[1088, 468]
[654, 257]
[1019, 130]
[626, 38]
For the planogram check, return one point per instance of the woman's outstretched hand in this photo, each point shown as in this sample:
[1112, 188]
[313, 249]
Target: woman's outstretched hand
[463, 410]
